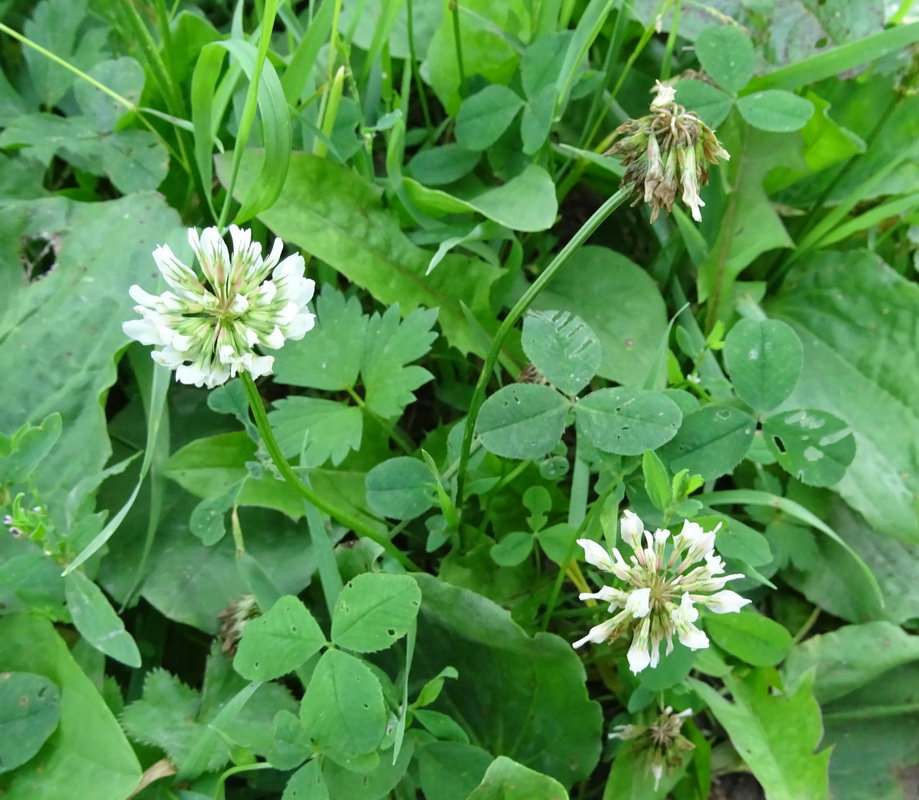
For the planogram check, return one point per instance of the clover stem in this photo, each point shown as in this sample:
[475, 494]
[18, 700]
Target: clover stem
[311, 496]
[518, 310]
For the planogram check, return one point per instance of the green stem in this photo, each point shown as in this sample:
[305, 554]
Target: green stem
[520, 307]
[458, 40]
[284, 467]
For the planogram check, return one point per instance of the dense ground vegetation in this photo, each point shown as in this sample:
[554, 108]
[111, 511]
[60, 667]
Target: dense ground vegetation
[493, 445]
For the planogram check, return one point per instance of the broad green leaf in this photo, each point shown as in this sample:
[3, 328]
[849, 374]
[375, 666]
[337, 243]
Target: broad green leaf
[73, 318]
[208, 520]
[709, 103]
[535, 686]
[88, 753]
[343, 708]
[326, 358]
[401, 488]
[562, 347]
[764, 359]
[390, 346]
[874, 751]
[374, 611]
[317, 429]
[850, 658]
[776, 735]
[627, 421]
[278, 642]
[621, 304]
[484, 116]
[854, 316]
[630, 778]
[736, 239]
[505, 779]
[522, 420]
[814, 446]
[775, 110]
[751, 637]
[525, 202]
[337, 216]
[30, 710]
[307, 783]
[97, 621]
[451, 770]
[513, 549]
[711, 441]
[726, 54]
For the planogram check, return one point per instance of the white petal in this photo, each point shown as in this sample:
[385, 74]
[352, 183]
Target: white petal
[639, 603]
[143, 331]
[631, 529]
[597, 634]
[725, 602]
[299, 325]
[596, 554]
[639, 656]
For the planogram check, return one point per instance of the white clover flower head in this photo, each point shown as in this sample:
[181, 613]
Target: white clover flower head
[660, 587]
[207, 327]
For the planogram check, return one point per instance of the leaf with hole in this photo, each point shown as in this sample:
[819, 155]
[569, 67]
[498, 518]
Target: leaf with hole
[374, 610]
[522, 421]
[562, 347]
[764, 359]
[813, 446]
[30, 708]
[711, 441]
[278, 642]
[343, 709]
[627, 421]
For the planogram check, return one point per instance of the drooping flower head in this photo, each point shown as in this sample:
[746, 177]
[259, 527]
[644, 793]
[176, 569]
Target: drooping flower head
[658, 588]
[207, 327]
[660, 745]
[667, 153]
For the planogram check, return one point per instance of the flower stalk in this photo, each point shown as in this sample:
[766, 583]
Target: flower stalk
[517, 311]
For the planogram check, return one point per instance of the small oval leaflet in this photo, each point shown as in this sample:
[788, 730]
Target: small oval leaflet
[374, 610]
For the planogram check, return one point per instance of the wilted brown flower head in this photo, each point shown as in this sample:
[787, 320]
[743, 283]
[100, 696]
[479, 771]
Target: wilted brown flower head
[660, 743]
[667, 152]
